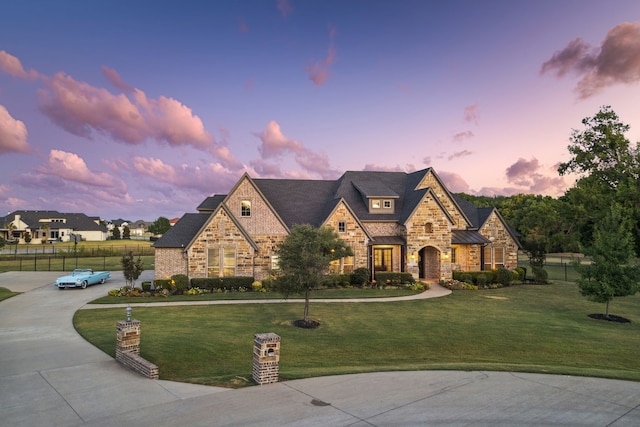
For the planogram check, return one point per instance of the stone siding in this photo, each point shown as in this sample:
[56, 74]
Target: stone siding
[495, 228]
[169, 261]
[263, 221]
[353, 235]
[430, 181]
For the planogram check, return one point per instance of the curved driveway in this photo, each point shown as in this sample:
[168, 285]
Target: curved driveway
[50, 376]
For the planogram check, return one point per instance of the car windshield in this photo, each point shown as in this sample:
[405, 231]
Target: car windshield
[80, 271]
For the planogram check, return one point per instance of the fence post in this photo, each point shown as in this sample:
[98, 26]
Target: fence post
[20, 264]
[35, 261]
[64, 262]
[49, 263]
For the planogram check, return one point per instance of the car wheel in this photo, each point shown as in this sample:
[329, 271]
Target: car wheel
[62, 288]
[84, 284]
[102, 281]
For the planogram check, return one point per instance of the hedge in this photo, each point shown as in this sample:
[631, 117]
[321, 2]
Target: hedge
[229, 283]
[393, 278]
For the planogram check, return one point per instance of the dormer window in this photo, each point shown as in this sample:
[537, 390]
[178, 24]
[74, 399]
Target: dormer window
[375, 204]
[386, 204]
[245, 209]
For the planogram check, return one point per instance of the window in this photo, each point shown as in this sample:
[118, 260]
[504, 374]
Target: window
[246, 208]
[375, 204]
[454, 255]
[387, 204]
[382, 259]
[221, 263]
[428, 228]
[342, 227]
[342, 265]
[493, 257]
[274, 262]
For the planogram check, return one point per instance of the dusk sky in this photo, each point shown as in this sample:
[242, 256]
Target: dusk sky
[140, 109]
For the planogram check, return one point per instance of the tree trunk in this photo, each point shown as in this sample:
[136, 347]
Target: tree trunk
[306, 306]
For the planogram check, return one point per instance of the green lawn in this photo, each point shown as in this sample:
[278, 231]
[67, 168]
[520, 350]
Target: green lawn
[525, 328]
[6, 293]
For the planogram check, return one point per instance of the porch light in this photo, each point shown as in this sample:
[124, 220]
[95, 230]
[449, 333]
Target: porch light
[128, 311]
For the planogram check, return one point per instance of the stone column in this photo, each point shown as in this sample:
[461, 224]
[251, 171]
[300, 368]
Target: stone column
[266, 358]
[127, 337]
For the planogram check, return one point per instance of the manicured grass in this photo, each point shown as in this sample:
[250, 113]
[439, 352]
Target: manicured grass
[6, 293]
[68, 263]
[337, 293]
[527, 328]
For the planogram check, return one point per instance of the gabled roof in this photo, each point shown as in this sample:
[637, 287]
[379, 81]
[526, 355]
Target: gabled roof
[74, 221]
[181, 234]
[299, 201]
[211, 203]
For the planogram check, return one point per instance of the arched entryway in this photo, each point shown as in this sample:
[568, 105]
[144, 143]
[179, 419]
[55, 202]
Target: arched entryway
[429, 263]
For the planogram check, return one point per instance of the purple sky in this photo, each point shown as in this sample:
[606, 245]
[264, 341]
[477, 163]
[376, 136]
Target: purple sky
[140, 109]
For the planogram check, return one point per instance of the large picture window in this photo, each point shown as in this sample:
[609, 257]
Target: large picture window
[342, 265]
[221, 262]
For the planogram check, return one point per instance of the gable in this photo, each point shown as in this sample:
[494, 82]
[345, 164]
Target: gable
[262, 219]
[431, 180]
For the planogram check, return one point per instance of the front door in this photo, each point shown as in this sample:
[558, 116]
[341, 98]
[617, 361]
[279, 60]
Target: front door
[383, 259]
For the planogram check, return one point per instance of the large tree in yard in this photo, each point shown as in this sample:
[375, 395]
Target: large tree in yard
[304, 257]
[608, 166]
[613, 271]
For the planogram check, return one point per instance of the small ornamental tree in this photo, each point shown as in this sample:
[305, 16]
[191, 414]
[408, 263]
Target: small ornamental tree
[115, 233]
[132, 269]
[612, 272]
[303, 257]
[126, 232]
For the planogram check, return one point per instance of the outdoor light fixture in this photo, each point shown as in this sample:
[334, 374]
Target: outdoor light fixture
[128, 311]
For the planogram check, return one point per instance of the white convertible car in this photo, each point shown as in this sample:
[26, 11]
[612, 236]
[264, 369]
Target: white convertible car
[82, 277]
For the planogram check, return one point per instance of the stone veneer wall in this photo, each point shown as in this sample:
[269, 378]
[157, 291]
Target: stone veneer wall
[495, 228]
[439, 237]
[430, 181]
[266, 358]
[169, 261]
[354, 235]
[128, 349]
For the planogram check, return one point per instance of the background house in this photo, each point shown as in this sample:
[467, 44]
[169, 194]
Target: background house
[51, 226]
[393, 221]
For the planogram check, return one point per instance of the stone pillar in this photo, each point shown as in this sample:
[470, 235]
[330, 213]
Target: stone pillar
[127, 337]
[266, 358]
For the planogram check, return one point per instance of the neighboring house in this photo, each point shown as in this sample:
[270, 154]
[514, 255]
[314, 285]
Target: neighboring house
[393, 221]
[139, 227]
[51, 226]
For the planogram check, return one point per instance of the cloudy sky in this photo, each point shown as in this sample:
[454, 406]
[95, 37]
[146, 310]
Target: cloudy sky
[140, 109]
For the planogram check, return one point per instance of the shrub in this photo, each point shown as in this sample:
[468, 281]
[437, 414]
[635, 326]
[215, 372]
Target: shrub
[481, 280]
[521, 272]
[162, 284]
[181, 282]
[540, 275]
[504, 276]
[146, 286]
[360, 277]
[466, 278]
[256, 286]
[230, 283]
[393, 278]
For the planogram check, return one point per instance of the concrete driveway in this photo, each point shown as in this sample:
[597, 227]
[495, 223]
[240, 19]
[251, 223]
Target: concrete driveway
[50, 376]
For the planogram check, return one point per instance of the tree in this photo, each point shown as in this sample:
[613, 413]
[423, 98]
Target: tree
[115, 233]
[131, 268]
[303, 257]
[2, 242]
[612, 272]
[126, 232]
[44, 229]
[609, 168]
[160, 226]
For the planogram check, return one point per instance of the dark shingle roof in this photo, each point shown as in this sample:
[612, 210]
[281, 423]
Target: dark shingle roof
[181, 234]
[299, 201]
[468, 237]
[211, 203]
[74, 221]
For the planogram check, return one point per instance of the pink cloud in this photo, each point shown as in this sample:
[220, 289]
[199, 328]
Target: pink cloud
[617, 61]
[276, 145]
[374, 167]
[459, 154]
[319, 71]
[82, 109]
[209, 179]
[285, 8]
[461, 136]
[527, 175]
[12, 66]
[13, 134]
[71, 167]
[115, 79]
[454, 182]
[471, 114]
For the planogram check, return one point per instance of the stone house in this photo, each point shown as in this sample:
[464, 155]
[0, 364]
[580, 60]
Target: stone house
[393, 221]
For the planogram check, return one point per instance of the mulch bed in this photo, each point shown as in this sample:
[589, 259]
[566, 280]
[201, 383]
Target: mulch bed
[610, 318]
[311, 324]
